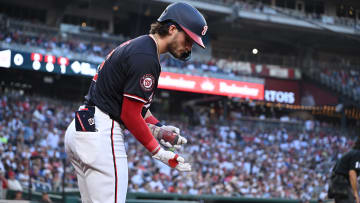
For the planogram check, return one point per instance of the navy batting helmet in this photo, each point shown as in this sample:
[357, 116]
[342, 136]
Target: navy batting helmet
[188, 18]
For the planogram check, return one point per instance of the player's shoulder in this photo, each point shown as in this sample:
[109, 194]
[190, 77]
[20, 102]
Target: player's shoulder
[138, 50]
[142, 45]
[355, 152]
[351, 154]
[142, 50]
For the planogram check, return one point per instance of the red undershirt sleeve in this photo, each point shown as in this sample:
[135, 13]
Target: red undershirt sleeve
[152, 120]
[135, 123]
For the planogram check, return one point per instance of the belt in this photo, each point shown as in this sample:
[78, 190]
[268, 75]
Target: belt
[90, 103]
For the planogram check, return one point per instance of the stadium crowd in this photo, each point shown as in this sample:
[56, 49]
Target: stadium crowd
[347, 79]
[260, 7]
[31, 140]
[49, 43]
[95, 51]
[241, 161]
[52, 44]
[243, 158]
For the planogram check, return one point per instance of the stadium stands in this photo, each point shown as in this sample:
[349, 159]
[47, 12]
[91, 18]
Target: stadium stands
[233, 159]
[32, 129]
[260, 7]
[24, 35]
[345, 81]
[256, 151]
[44, 39]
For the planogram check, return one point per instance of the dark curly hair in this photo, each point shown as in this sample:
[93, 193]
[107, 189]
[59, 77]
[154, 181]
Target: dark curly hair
[162, 28]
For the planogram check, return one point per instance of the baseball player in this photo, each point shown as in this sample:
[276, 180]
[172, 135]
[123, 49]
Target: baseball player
[343, 181]
[119, 97]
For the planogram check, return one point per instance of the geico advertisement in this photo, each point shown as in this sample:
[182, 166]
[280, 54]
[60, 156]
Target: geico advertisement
[45, 63]
[188, 83]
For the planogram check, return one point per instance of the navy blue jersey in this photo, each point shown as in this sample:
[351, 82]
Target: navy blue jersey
[132, 70]
[349, 161]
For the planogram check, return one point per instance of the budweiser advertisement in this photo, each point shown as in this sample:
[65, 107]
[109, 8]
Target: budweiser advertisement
[188, 83]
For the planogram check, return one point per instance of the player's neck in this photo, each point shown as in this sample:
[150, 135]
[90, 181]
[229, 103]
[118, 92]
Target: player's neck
[160, 43]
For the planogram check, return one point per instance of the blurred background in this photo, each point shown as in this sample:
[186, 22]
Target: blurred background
[268, 107]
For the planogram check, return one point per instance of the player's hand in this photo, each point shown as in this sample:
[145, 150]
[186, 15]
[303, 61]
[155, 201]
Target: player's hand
[173, 160]
[169, 136]
[180, 139]
[171, 129]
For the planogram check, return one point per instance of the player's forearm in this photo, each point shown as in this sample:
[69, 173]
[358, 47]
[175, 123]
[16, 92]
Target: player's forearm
[149, 118]
[353, 182]
[131, 117]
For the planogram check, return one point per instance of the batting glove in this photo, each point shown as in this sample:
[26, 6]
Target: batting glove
[169, 136]
[173, 160]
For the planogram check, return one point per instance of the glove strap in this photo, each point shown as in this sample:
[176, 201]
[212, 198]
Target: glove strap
[156, 150]
[173, 162]
[153, 120]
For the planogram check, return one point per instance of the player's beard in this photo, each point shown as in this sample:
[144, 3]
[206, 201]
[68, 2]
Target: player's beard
[172, 48]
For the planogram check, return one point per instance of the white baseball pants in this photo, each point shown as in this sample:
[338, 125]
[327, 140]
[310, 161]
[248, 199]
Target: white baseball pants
[100, 160]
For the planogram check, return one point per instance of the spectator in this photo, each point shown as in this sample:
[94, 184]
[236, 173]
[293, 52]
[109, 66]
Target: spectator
[3, 185]
[45, 198]
[347, 81]
[18, 195]
[13, 184]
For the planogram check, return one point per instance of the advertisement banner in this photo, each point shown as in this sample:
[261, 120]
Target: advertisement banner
[188, 83]
[282, 91]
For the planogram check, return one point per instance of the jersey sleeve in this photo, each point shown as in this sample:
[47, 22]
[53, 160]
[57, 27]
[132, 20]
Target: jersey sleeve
[142, 77]
[355, 162]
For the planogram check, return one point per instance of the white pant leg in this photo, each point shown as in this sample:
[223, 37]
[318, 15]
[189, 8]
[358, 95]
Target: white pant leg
[97, 153]
[81, 182]
[101, 184]
[75, 161]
